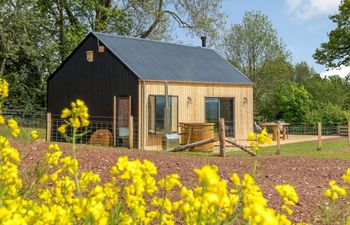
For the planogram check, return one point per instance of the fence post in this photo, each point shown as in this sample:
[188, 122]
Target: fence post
[48, 127]
[114, 120]
[278, 147]
[131, 132]
[349, 132]
[319, 132]
[222, 137]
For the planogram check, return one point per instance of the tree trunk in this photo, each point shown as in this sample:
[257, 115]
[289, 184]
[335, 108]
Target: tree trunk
[155, 22]
[2, 66]
[61, 25]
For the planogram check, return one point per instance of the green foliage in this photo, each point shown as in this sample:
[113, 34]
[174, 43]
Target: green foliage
[37, 35]
[336, 51]
[302, 73]
[289, 102]
[292, 102]
[328, 114]
[254, 48]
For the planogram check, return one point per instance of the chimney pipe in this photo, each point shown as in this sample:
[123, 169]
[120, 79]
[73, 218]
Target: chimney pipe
[204, 41]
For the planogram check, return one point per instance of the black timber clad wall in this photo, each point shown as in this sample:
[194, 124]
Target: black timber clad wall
[93, 82]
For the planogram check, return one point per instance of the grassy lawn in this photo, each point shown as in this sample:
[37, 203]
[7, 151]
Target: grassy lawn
[333, 148]
[25, 132]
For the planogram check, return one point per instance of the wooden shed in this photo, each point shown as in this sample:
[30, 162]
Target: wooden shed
[159, 84]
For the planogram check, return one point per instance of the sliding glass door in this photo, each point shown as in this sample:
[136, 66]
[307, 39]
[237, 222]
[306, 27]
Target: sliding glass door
[216, 108]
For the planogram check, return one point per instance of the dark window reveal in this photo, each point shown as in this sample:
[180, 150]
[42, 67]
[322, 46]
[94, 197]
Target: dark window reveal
[156, 113]
[216, 108]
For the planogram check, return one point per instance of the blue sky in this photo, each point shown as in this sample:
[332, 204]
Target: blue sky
[301, 24]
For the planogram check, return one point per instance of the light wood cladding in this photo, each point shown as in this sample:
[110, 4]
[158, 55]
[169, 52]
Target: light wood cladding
[191, 100]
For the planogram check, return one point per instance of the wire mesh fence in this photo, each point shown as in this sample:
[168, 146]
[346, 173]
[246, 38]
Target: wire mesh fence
[104, 131]
[312, 129]
[26, 120]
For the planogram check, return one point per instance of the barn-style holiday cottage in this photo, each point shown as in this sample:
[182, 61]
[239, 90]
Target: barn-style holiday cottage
[159, 84]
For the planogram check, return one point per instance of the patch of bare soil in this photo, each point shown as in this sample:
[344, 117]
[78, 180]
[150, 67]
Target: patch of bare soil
[308, 175]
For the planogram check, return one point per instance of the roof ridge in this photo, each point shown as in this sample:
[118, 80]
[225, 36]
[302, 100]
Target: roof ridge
[150, 40]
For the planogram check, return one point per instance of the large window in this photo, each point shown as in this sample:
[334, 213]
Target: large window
[156, 113]
[216, 108]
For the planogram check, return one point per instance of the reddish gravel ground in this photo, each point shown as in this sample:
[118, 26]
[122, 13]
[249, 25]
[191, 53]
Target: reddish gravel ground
[308, 175]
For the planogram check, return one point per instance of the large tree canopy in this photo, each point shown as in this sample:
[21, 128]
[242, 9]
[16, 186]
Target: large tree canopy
[37, 35]
[70, 20]
[336, 51]
[255, 49]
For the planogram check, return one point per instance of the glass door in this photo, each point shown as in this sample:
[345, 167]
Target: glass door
[216, 108]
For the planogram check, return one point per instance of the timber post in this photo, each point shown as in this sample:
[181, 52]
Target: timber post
[278, 139]
[131, 132]
[222, 137]
[319, 133]
[349, 133]
[114, 121]
[48, 127]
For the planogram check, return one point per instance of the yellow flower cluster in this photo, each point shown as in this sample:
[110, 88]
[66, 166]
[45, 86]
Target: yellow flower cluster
[335, 191]
[76, 117]
[255, 140]
[132, 196]
[289, 196]
[14, 127]
[34, 135]
[4, 88]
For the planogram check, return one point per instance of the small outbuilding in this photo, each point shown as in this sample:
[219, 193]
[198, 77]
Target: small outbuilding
[160, 85]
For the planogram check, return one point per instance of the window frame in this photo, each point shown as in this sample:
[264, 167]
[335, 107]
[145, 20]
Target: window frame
[154, 119]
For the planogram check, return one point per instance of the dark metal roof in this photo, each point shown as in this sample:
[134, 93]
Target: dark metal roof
[155, 60]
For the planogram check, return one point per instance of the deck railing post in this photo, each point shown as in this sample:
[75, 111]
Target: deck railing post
[48, 127]
[319, 132]
[222, 137]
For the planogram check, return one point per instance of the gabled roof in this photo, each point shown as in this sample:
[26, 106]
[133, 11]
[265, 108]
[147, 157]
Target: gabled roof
[155, 60]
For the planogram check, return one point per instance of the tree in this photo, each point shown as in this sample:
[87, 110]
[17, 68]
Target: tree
[302, 73]
[69, 21]
[23, 53]
[330, 90]
[289, 102]
[253, 47]
[336, 51]
[37, 35]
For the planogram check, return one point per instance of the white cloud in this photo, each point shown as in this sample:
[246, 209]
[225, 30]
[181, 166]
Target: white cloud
[342, 72]
[306, 9]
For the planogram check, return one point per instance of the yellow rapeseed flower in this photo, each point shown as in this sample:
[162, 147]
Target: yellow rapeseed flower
[169, 182]
[335, 191]
[34, 134]
[14, 126]
[62, 128]
[66, 113]
[2, 120]
[4, 88]
[288, 194]
[346, 176]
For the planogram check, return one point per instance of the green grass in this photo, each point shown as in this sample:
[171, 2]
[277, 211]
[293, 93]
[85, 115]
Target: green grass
[336, 148]
[25, 132]
[333, 148]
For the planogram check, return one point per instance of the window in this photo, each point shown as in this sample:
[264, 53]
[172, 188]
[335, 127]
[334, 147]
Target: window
[156, 114]
[216, 108]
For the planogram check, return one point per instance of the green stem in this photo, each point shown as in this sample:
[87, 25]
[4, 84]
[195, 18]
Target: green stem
[254, 168]
[162, 208]
[75, 158]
